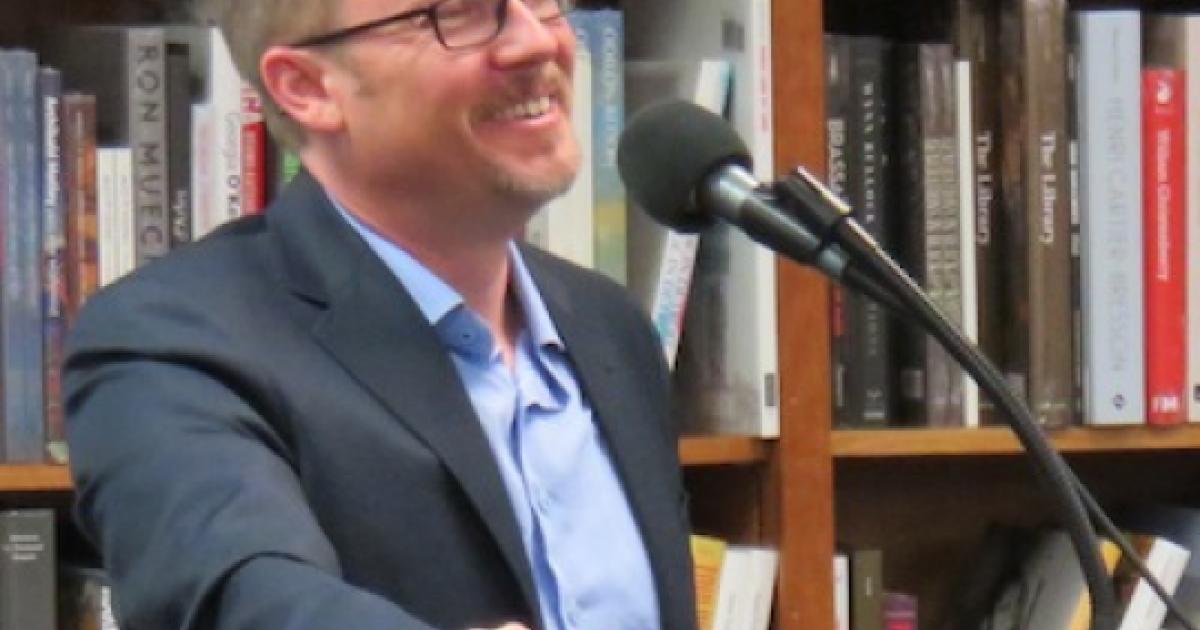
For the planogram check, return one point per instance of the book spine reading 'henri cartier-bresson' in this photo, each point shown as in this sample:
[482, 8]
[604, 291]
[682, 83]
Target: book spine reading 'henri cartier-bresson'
[1109, 114]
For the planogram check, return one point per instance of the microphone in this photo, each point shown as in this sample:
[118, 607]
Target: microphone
[685, 166]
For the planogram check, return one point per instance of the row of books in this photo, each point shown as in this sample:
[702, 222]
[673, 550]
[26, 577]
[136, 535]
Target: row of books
[36, 593]
[735, 584]
[1043, 201]
[120, 144]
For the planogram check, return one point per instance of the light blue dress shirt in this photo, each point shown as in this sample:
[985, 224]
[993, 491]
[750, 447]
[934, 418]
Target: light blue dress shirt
[589, 562]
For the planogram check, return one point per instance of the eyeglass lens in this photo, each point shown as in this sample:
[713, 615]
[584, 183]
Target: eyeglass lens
[462, 23]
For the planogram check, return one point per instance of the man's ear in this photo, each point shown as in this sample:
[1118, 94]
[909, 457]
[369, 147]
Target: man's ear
[298, 81]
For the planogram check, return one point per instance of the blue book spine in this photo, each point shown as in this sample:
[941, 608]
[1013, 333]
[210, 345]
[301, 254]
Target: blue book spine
[25, 419]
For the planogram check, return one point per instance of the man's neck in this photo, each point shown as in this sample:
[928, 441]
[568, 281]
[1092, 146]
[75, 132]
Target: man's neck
[468, 251]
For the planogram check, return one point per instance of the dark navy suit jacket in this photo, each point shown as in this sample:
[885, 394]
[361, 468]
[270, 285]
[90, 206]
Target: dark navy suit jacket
[266, 434]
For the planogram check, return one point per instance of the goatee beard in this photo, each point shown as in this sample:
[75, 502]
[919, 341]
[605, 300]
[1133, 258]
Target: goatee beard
[536, 192]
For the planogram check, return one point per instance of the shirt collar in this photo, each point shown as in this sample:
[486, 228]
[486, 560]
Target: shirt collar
[437, 300]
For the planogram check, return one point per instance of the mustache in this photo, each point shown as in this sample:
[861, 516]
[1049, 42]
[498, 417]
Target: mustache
[546, 80]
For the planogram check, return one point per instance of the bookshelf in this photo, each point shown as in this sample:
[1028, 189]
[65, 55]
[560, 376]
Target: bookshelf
[34, 478]
[922, 495]
[693, 451]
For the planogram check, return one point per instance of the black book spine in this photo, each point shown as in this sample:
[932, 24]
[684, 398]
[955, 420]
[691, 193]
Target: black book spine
[179, 144]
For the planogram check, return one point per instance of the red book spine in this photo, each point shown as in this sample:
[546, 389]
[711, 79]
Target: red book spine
[1163, 138]
[254, 153]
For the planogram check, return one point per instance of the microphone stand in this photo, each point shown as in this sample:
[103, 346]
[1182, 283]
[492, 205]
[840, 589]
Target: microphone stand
[804, 196]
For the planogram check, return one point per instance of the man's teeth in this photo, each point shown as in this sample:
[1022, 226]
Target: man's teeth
[529, 109]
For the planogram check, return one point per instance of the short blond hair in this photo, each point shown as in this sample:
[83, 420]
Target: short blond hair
[251, 27]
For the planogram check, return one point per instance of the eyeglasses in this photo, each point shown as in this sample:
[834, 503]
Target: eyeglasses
[456, 23]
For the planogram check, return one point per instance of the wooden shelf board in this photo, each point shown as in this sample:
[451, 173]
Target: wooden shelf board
[714, 450]
[920, 442]
[34, 478]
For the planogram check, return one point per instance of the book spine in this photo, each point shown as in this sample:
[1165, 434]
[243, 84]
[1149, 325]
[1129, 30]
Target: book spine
[606, 35]
[147, 103]
[670, 297]
[225, 127]
[10, 330]
[1036, 193]
[1163, 110]
[866, 589]
[841, 590]
[965, 187]
[910, 227]
[26, 430]
[941, 228]
[847, 404]
[1191, 63]
[79, 154]
[868, 196]
[1076, 232]
[179, 144]
[54, 284]
[254, 153]
[27, 570]
[1109, 106]
[106, 215]
[978, 30]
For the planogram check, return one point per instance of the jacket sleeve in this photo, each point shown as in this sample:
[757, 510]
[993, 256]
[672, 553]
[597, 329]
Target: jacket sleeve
[187, 492]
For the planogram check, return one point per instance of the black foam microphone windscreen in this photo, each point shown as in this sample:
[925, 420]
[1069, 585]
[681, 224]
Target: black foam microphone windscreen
[666, 152]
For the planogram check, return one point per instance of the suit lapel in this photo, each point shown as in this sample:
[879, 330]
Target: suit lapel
[627, 421]
[374, 329]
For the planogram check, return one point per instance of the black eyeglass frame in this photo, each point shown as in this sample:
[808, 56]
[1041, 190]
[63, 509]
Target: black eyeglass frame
[429, 12]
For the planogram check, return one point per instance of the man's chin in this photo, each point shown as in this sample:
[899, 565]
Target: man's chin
[535, 189]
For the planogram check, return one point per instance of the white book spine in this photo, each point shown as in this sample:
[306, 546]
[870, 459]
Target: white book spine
[127, 228]
[1192, 72]
[204, 211]
[752, 287]
[225, 99]
[969, 294]
[841, 591]
[106, 208]
[766, 566]
[1109, 102]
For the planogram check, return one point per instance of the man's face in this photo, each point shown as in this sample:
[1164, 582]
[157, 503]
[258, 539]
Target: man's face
[483, 125]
